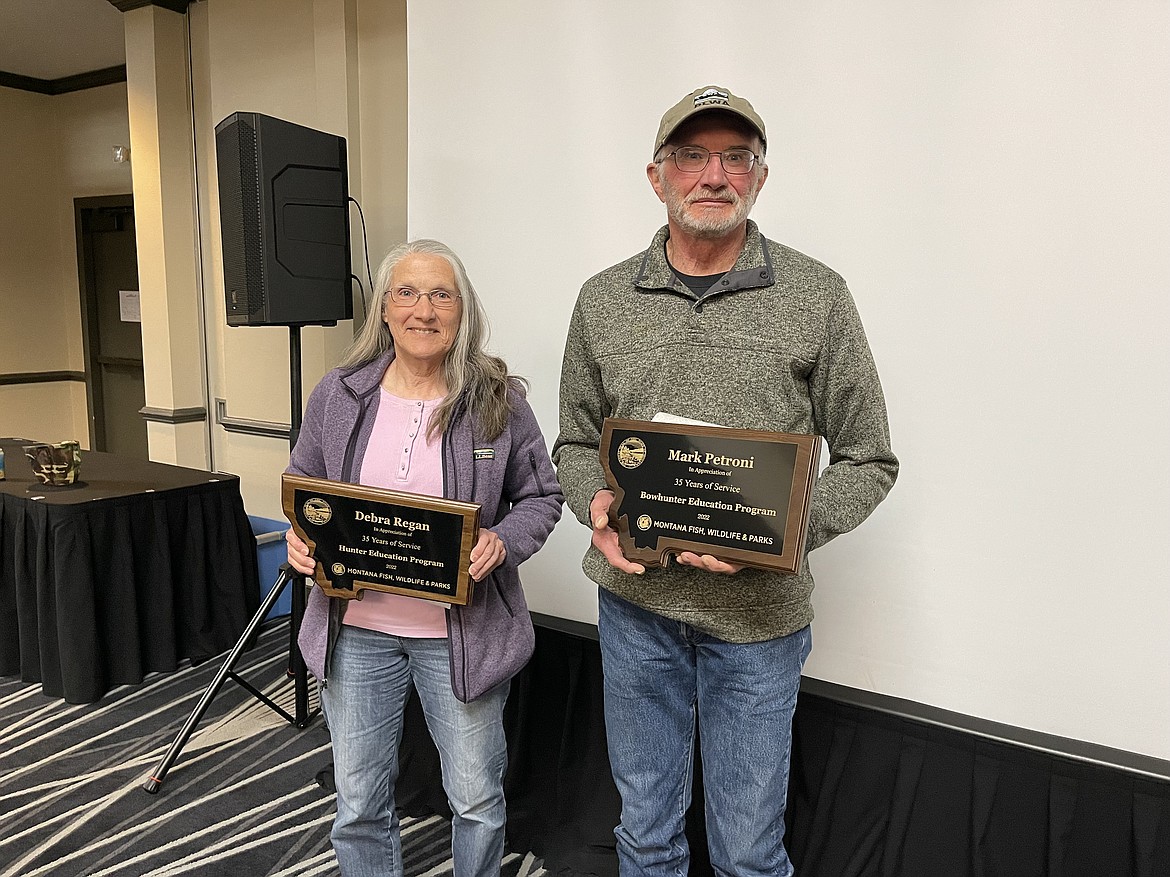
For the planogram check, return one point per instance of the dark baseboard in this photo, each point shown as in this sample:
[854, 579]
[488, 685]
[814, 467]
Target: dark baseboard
[16, 378]
[565, 625]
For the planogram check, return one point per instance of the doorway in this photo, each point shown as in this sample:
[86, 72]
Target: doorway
[107, 259]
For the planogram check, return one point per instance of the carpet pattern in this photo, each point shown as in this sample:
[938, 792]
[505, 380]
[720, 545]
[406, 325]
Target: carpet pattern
[241, 799]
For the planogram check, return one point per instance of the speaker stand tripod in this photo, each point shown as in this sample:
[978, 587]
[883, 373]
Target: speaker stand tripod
[296, 664]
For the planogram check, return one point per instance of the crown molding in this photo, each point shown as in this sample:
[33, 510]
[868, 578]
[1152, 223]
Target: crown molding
[179, 6]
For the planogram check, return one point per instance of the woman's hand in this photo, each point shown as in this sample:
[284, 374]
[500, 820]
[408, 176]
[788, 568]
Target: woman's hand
[298, 554]
[488, 553]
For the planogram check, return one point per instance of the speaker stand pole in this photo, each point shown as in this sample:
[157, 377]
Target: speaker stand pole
[296, 663]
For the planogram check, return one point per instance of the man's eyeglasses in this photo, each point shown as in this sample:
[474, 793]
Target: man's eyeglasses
[405, 297]
[692, 159]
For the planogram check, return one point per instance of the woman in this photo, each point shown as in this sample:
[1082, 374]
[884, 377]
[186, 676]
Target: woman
[417, 405]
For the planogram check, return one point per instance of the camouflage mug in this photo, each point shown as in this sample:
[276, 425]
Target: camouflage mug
[58, 464]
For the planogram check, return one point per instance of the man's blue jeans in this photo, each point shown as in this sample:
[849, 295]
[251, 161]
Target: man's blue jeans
[369, 682]
[658, 673]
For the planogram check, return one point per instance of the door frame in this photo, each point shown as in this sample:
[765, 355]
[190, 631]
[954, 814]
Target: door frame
[83, 209]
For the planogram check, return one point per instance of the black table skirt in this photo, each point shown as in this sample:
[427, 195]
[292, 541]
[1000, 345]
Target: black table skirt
[99, 593]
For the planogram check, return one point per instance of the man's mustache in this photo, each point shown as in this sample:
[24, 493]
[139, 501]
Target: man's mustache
[711, 195]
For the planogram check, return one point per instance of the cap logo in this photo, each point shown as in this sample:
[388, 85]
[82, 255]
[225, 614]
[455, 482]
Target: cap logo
[711, 96]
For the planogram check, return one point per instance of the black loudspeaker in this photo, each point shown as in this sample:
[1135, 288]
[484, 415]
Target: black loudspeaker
[284, 217]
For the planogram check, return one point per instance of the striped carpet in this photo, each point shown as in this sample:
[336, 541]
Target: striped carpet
[241, 800]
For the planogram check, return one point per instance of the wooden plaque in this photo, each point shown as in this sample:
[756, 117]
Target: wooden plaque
[741, 495]
[368, 538]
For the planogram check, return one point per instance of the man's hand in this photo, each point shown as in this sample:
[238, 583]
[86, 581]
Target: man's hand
[707, 562]
[488, 553]
[605, 538]
[298, 554]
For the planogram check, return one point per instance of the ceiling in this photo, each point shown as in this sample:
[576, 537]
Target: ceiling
[52, 39]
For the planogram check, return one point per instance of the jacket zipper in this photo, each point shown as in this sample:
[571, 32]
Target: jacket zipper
[334, 628]
[351, 445]
[454, 614]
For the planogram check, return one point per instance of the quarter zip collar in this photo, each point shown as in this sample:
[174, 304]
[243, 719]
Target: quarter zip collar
[752, 270]
[364, 379]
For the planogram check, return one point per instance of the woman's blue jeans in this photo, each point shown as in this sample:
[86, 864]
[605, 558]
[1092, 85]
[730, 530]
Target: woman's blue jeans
[658, 674]
[370, 678]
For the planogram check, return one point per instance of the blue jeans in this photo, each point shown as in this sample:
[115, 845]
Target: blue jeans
[369, 682]
[658, 674]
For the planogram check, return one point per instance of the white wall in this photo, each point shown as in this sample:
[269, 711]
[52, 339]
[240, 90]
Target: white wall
[992, 181]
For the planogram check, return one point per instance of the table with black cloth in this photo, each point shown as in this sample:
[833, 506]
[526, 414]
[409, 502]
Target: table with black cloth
[136, 568]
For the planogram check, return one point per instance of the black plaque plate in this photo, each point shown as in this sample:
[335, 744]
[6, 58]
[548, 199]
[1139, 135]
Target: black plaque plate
[367, 538]
[741, 495]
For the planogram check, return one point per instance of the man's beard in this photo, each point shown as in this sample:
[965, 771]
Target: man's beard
[709, 226]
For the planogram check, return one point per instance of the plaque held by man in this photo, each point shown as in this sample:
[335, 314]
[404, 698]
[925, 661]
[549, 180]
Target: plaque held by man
[740, 495]
[373, 539]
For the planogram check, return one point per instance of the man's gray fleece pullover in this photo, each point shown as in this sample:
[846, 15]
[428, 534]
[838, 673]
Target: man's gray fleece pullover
[775, 344]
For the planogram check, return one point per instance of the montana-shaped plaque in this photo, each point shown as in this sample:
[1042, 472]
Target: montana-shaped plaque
[368, 538]
[741, 495]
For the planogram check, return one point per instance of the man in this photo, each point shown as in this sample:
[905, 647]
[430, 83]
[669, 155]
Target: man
[713, 323]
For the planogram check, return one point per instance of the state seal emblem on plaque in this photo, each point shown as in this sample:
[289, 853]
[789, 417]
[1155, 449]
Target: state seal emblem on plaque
[632, 452]
[317, 510]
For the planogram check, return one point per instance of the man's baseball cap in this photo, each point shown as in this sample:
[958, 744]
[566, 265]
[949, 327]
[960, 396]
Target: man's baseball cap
[702, 100]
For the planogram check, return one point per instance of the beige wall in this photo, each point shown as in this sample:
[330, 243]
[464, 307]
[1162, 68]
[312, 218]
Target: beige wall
[383, 105]
[56, 148]
[334, 65]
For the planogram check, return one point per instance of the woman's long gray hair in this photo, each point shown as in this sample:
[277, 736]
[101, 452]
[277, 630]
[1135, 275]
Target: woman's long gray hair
[472, 375]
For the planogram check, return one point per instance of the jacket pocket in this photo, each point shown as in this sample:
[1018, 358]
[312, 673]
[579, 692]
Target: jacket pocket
[536, 472]
[501, 593]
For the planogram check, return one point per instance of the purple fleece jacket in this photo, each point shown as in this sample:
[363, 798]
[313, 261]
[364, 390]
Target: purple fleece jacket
[511, 478]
